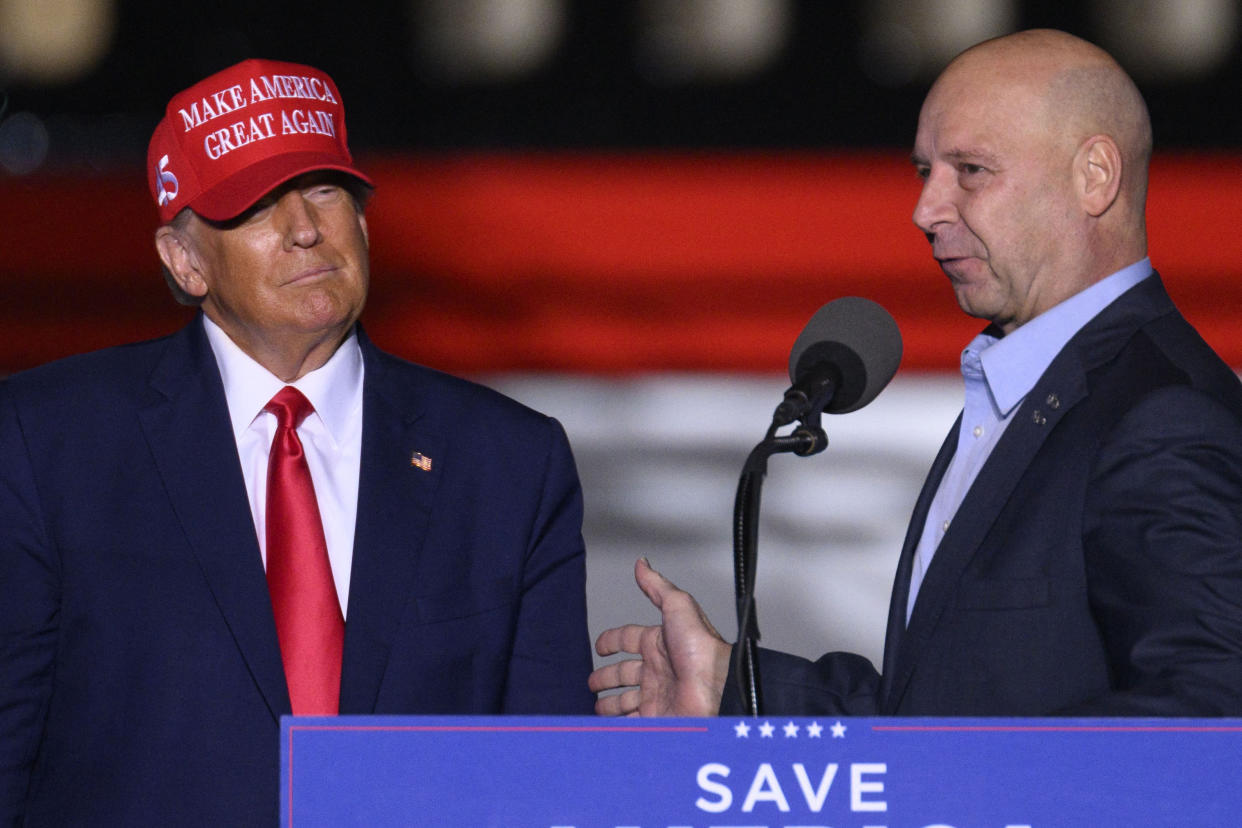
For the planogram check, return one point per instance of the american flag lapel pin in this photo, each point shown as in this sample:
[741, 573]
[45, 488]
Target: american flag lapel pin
[420, 461]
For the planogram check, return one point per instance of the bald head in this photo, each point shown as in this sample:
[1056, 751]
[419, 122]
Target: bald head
[1034, 150]
[1079, 90]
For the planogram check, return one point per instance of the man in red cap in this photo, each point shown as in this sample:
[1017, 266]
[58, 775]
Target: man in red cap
[263, 513]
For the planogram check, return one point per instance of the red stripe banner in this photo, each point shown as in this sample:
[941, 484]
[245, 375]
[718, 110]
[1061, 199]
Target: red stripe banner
[600, 263]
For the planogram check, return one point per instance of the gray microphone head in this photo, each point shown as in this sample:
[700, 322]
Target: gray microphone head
[858, 341]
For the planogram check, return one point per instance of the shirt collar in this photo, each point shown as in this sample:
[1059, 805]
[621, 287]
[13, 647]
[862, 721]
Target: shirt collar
[1012, 365]
[334, 389]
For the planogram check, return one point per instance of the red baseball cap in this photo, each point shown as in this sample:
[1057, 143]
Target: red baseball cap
[228, 140]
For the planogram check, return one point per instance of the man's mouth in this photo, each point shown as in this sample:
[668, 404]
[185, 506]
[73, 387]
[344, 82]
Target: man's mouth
[310, 273]
[953, 266]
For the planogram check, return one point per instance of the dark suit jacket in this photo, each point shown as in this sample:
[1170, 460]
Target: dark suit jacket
[1094, 567]
[141, 681]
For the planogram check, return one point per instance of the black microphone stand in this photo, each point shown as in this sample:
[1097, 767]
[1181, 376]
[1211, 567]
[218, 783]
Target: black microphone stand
[807, 439]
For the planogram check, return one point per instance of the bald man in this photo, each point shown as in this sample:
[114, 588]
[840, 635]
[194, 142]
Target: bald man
[1077, 548]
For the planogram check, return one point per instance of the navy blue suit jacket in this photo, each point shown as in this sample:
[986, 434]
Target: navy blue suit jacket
[1094, 567]
[141, 680]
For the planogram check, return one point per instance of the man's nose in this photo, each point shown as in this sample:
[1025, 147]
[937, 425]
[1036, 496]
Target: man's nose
[301, 221]
[936, 203]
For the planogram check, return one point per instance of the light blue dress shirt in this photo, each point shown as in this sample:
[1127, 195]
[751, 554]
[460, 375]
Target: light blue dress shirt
[998, 374]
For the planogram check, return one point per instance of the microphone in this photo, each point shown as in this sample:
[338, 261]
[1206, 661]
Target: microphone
[841, 361]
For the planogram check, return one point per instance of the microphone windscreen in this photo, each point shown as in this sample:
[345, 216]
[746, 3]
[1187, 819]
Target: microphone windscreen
[857, 338]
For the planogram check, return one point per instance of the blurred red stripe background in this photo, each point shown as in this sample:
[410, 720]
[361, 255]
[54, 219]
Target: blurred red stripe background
[598, 263]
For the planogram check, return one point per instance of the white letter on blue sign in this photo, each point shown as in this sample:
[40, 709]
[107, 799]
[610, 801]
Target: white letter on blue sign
[815, 798]
[706, 783]
[765, 788]
[858, 787]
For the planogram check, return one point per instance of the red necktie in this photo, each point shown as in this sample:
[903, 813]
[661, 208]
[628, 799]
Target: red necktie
[308, 615]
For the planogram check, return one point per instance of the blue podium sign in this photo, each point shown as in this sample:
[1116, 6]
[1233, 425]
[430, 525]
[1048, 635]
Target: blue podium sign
[582, 772]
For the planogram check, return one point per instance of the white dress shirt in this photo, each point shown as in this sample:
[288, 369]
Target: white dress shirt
[331, 437]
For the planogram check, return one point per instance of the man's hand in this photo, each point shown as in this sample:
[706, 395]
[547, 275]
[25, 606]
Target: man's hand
[682, 663]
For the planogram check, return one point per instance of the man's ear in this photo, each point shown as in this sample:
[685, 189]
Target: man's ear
[1097, 172]
[176, 251]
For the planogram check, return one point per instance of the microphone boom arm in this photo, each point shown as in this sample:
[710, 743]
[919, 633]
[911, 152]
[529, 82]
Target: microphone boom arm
[807, 439]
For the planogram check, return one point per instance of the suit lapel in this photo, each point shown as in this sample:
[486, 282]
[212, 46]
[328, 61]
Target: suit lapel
[1064, 385]
[189, 432]
[402, 463]
[901, 584]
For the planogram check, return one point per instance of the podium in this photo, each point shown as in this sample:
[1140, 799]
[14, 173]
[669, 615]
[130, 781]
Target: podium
[776, 772]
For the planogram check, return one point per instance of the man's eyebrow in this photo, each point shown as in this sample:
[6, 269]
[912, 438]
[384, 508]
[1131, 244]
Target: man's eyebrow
[976, 155]
[973, 154]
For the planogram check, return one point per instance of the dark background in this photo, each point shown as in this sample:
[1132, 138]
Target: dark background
[592, 93]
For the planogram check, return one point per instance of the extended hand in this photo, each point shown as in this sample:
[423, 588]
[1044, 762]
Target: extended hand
[683, 662]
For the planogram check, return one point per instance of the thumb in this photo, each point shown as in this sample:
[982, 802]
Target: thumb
[654, 585]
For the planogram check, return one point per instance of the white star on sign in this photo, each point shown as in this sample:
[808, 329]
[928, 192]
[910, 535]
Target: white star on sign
[791, 731]
[814, 729]
[838, 731]
[742, 730]
[766, 730]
